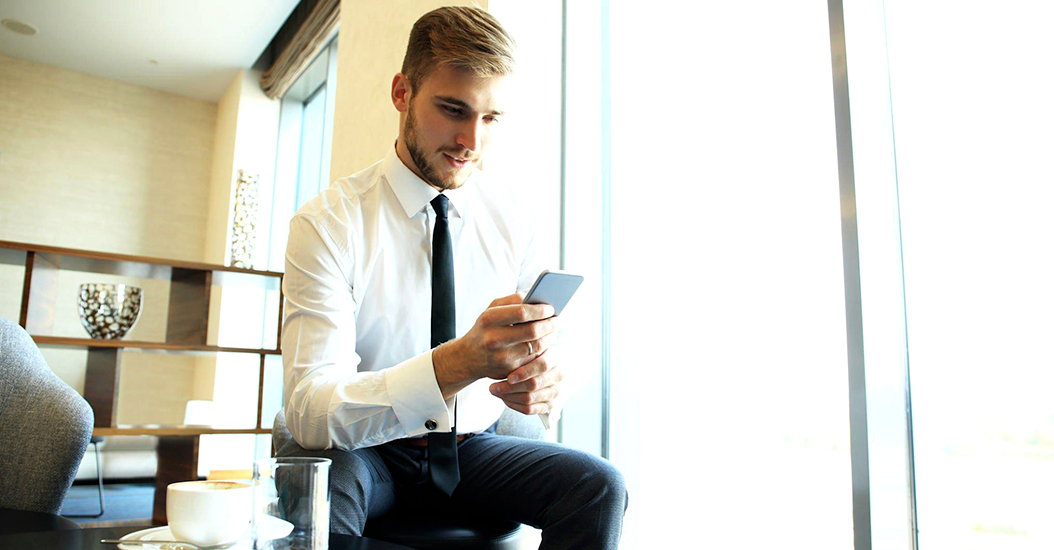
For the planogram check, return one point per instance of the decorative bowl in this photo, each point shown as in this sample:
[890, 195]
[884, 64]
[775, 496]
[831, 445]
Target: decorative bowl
[109, 311]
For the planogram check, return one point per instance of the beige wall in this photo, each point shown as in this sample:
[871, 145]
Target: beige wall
[246, 138]
[97, 164]
[217, 220]
[373, 38]
[92, 163]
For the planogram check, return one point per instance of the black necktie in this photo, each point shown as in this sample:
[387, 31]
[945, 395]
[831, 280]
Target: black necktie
[442, 447]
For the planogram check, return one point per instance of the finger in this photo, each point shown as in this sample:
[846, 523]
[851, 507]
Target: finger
[511, 299]
[541, 345]
[535, 332]
[516, 356]
[512, 341]
[539, 366]
[545, 395]
[502, 315]
[535, 408]
[551, 378]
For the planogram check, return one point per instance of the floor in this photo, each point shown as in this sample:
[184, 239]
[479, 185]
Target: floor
[125, 504]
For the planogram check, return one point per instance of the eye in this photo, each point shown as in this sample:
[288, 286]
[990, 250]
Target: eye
[491, 119]
[452, 111]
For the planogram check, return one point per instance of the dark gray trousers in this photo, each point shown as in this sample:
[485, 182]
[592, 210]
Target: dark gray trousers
[578, 500]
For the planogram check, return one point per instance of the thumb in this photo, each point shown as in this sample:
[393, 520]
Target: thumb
[510, 300]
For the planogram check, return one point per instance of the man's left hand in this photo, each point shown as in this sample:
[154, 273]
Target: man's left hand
[534, 387]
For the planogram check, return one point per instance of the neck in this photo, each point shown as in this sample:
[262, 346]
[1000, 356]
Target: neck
[404, 155]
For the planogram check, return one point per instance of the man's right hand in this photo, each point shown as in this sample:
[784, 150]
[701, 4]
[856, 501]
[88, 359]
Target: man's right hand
[507, 335]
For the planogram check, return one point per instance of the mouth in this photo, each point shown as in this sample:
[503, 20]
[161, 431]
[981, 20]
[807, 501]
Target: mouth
[456, 161]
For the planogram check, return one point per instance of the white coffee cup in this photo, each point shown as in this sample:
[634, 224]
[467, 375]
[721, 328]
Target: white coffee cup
[209, 512]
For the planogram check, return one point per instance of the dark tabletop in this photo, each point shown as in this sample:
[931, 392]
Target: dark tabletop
[88, 539]
[22, 521]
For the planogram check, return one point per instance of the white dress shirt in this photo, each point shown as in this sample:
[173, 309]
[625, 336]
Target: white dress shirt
[358, 294]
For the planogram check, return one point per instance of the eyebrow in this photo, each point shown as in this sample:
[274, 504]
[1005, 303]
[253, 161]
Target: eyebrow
[458, 103]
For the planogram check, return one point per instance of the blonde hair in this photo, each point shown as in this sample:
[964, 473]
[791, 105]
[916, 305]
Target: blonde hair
[461, 37]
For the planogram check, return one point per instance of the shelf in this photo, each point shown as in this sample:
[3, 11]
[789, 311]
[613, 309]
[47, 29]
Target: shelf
[177, 431]
[98, 343]
[111, 257]
[190, 289]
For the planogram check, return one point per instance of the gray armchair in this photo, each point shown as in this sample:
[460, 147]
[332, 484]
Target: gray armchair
[44, 429]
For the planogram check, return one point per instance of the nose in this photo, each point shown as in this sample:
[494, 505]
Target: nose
[471, 134]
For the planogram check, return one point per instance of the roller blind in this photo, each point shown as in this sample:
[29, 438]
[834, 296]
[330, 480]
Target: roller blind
[309, 39]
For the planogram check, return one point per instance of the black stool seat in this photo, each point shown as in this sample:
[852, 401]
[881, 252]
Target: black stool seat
[443, 527]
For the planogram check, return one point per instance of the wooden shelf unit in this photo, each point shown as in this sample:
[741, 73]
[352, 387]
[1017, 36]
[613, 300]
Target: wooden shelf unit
[187, 332]
[176, 430]
[62, 341]
[188, 314]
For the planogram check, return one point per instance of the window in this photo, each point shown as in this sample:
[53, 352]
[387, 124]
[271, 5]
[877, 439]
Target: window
[973, 116]
[305, 136]
[533, 123]
[812, 326]
[718, 241]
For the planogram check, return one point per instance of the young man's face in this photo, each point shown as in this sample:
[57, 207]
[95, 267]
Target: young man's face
[447, 123]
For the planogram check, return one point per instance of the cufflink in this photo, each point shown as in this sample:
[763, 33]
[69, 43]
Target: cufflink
[431, 424]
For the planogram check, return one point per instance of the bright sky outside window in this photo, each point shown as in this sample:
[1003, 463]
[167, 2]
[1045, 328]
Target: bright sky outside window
[729, 402]
[971, 90]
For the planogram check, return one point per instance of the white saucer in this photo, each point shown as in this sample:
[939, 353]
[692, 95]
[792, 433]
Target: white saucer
[271, 528]
[154, 533]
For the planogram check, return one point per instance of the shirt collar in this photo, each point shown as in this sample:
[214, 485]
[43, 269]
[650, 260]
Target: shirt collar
[412, 191]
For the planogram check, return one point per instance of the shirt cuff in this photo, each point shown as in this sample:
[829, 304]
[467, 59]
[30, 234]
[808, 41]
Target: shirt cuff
[416, 398]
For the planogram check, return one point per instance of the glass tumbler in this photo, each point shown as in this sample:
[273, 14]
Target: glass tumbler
[291, 503]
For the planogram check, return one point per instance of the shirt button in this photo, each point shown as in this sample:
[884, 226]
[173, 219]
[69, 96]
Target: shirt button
[431, 424]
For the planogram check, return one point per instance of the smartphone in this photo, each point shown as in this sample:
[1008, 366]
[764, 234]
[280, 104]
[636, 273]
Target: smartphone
[554, 288]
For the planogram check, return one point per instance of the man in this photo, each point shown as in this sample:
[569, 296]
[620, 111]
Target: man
[398, 358]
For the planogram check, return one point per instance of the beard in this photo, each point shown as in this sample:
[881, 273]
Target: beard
[432, 175]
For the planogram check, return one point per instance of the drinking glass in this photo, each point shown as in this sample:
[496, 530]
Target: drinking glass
[291, 503]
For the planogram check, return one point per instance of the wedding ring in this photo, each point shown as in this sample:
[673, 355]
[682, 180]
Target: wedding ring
[530, 348]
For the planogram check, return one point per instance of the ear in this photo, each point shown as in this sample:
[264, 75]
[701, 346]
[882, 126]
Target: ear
[401, 92]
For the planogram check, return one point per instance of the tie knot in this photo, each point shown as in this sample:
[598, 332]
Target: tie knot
[440, 204]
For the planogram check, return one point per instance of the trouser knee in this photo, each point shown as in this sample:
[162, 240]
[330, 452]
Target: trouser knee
[607, 486]
[349, 488]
